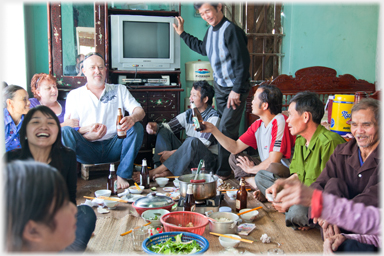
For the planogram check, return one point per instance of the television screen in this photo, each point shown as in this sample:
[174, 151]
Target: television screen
[146, 40]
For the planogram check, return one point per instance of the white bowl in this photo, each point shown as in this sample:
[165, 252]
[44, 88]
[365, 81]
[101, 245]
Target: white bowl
[148, 215]
[228, 242]
[111, 204]
[249, 217]
[103, 192]
[162, 181]
[176, 183]
[134, 190]
[232, 194]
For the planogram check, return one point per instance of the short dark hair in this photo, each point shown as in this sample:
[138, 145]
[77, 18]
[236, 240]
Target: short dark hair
[206, 90]
[55, 154]
[199, 4]
[273, 96]
[368, 103]
[92, 54]
[33, 191]
[309, 102]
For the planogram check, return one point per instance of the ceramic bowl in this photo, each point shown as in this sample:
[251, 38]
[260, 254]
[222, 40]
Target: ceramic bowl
[134, 190]
[249, 217]
[111, 204]
[232, 194]
[228, 242]
[149, 215]
[103, 192]
[162, 181]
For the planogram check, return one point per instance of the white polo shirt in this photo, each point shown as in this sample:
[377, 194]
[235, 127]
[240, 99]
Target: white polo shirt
[82, 104]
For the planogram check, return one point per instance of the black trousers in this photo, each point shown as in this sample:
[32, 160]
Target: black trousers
[229, 123]
[353, 246]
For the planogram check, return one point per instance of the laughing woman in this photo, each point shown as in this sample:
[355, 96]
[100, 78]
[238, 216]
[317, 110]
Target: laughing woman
[16, 105]
[38, 214]
[40, 136]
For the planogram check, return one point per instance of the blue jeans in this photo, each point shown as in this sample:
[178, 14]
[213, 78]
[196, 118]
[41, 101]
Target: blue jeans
[86, 222]
[106, 151]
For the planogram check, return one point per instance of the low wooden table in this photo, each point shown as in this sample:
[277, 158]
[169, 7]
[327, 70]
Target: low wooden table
[109, 226]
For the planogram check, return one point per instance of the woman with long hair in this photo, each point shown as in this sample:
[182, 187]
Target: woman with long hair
[41, 141]
[38, 214]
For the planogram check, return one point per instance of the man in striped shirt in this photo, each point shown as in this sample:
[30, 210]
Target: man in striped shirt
[225, 44]
[173, 157]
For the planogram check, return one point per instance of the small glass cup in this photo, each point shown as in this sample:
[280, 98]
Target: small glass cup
[274, 251]
[138, 236]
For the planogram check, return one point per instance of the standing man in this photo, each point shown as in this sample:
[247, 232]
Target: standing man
[96, 105]
[313, 147]
[225, 44]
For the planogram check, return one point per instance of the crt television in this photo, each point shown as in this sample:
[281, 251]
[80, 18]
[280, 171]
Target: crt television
[144, 43]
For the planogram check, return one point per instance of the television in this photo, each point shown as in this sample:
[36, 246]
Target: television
[144, 43]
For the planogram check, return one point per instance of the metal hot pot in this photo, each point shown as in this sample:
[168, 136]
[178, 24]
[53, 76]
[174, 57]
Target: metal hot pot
[201, 191]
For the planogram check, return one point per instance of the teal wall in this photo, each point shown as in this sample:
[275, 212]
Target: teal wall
[339, 36]
[36, 37]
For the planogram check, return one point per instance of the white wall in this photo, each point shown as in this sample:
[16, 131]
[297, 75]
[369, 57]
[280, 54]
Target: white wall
[12, 44]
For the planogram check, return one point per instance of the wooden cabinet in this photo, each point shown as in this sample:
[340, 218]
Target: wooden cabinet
[161, 103]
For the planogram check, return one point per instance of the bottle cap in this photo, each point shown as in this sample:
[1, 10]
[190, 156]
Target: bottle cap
[112, 167]
[144, 162]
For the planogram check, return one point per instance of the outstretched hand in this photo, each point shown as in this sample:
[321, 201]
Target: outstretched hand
[179, 27]
[294, 192]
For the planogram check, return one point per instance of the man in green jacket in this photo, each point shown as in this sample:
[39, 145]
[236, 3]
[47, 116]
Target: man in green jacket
[314, 145]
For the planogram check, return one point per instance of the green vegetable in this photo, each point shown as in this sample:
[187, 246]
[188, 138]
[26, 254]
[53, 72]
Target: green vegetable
[154, 218]
[176, 246]
[153, 188]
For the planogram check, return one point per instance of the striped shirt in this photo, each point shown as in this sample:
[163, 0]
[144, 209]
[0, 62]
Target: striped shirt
[184, 121]
[275, 137]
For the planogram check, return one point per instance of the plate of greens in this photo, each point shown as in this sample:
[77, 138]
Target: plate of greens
[175, 243]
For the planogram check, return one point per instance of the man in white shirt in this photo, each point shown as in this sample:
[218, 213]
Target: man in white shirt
[96, 106]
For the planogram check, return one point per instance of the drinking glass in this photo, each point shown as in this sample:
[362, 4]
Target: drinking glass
[275, 251]
[138, 236]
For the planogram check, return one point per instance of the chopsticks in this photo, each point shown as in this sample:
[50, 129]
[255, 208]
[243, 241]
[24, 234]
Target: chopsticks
[257, 208]
[137, 186]
[234, 189]
[107, 198]
[172, 177]
[231, 237]
[130, 231]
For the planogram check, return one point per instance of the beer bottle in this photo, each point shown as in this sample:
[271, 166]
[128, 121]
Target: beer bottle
[241, 196]
[112, 180]
[197, 118]
[120, 133]
[189, 202]
[144, 174]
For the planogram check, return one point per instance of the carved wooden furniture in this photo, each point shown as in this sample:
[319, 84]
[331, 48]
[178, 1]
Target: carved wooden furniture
[55, 49]
[321, 80]
[160, 103]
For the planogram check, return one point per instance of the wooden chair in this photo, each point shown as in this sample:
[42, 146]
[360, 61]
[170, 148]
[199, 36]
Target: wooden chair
[322, 80]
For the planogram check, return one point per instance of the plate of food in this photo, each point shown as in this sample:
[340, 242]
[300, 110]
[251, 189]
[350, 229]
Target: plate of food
[174, 195]
[168, 189]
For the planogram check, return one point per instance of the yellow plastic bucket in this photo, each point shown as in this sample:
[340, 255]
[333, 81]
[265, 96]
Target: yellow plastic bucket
[341, 113]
